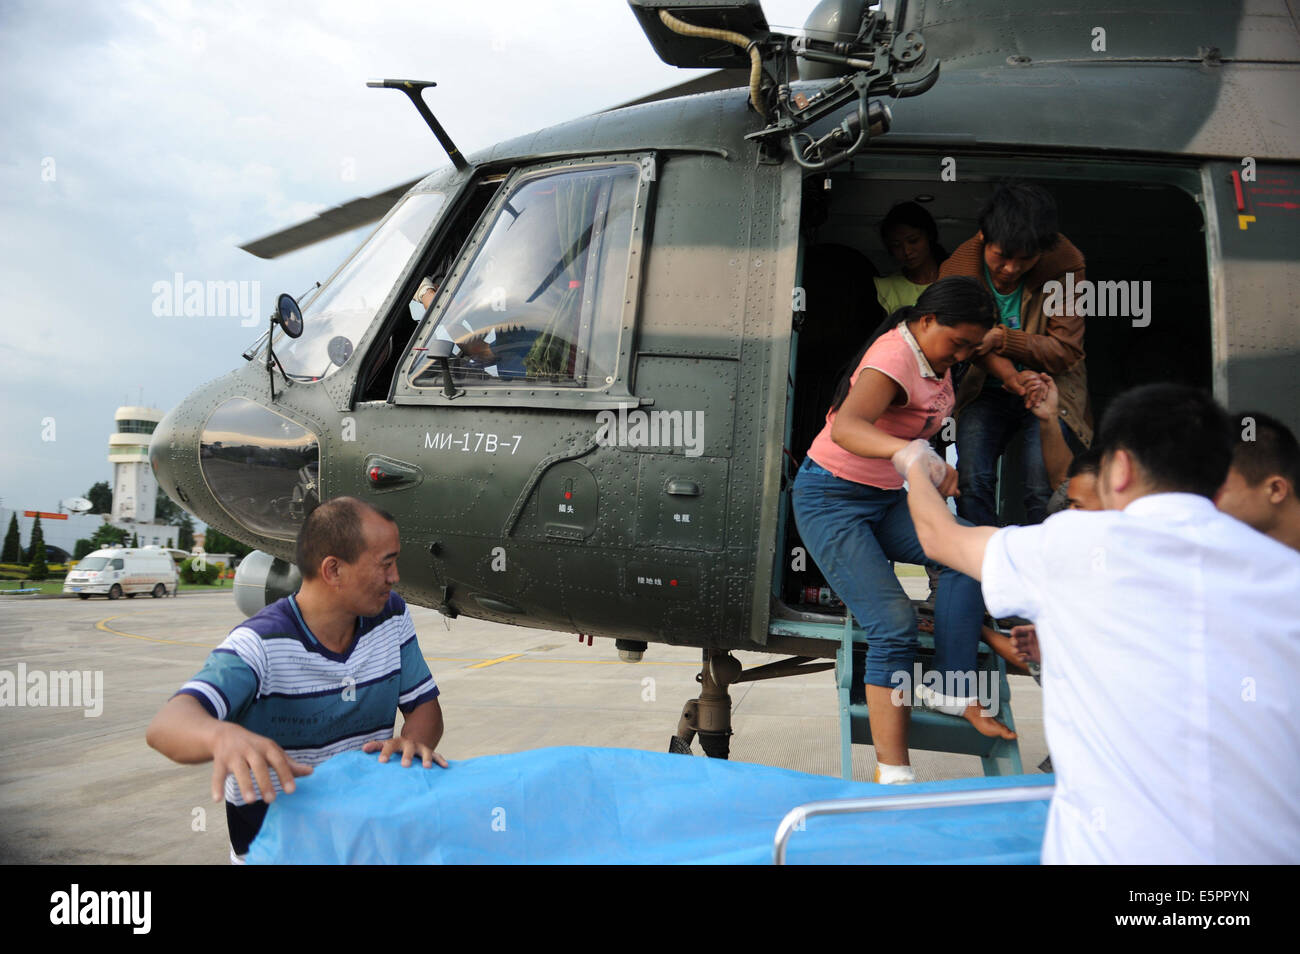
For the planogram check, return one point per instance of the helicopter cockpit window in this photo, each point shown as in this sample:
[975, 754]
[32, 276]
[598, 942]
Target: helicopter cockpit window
[541, 301]
[343, 310]
[263, 468]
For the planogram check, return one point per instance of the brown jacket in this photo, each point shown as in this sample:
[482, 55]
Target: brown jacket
[1043, 343]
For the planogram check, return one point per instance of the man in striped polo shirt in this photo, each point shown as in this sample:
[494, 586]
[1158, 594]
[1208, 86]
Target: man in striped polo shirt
[314, 674]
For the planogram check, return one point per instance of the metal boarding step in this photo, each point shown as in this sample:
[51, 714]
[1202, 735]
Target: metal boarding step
[931, 731]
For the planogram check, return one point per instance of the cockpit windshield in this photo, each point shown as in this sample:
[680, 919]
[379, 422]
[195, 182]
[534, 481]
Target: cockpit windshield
[342, 311]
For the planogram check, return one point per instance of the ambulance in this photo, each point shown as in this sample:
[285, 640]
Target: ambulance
[123, 571]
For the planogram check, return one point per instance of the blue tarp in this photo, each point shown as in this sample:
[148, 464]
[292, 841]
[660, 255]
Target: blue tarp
[577, 805]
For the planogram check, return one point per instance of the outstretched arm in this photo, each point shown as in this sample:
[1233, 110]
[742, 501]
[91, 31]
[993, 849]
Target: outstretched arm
[1056, 453]
[185, 732]
[941, 536]
[855, 424]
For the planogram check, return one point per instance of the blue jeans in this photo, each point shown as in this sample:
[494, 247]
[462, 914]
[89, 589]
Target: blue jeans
[984, 429]
[853, 532]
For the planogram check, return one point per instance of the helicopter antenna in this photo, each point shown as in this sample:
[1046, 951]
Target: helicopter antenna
[414, 90]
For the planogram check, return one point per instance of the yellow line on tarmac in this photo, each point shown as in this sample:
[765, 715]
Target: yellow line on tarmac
[478, 662]
[524, 657]
[612, 662]
[493, 662]
[103, 625]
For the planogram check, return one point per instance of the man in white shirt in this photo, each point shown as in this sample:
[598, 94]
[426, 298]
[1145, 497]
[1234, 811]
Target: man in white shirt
[1170, 642]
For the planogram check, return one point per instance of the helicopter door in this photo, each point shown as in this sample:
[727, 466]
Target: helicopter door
[527, 342]
[542, 300]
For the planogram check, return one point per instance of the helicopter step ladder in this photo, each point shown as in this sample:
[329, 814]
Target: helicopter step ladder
[932, 731]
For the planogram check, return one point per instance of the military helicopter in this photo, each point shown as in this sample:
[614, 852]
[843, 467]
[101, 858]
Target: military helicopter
[593, 422]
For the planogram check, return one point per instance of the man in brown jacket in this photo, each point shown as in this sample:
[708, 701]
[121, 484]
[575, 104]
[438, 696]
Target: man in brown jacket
[1016, 252]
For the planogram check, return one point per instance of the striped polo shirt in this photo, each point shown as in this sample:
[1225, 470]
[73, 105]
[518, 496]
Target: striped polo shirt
[274, 678]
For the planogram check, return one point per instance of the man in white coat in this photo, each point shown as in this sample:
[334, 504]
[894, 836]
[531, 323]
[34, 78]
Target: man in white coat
[1170, 642]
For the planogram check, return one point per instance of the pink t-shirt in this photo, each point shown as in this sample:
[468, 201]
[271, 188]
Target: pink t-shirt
[927, 401]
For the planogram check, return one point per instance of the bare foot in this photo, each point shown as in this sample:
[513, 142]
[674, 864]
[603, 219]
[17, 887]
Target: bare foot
[985, 724]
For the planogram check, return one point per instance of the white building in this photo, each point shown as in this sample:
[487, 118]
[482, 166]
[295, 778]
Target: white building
[128, 451]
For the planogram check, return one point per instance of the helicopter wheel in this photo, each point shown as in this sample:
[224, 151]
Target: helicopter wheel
[716, 745]
[709, 715]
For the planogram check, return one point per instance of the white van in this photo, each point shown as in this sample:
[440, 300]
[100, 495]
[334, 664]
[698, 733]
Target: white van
[123, 571]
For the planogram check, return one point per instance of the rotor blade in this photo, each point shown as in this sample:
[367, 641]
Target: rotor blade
[331, 222]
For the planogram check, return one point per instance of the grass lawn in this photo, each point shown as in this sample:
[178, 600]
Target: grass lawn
[56, 587]
[49, 586]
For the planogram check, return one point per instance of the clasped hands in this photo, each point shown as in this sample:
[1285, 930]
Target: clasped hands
[940, 472]
[1031, 385]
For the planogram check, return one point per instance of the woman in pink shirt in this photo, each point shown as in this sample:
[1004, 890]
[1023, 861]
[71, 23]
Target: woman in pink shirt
[851, 508]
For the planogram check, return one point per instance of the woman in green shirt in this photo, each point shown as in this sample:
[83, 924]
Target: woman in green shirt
[912, 238]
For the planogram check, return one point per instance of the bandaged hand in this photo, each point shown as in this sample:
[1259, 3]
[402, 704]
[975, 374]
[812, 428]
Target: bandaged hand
[920, 451]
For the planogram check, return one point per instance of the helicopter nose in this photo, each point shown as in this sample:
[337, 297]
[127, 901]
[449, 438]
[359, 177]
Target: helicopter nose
[173, 455]
[232, 460]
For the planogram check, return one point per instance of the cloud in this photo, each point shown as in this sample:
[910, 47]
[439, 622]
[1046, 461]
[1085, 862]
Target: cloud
[149, 138]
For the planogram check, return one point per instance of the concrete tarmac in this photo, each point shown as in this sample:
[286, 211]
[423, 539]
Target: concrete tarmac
[86, 789]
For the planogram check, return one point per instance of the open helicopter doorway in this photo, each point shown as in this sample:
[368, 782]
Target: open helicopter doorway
[1134, 223]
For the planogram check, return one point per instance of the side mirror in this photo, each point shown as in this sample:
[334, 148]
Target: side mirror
[288, 316]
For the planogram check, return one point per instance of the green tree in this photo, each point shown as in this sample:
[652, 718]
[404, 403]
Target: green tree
[185, 532]
[190, 572]
[39, 569]
[100, 496]
[135, 539]
[165, 510]
[13, 542]
[218, 542]
[107, 536]
[82, 547]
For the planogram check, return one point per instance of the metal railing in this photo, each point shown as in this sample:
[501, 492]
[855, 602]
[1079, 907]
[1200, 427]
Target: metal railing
[795, 818]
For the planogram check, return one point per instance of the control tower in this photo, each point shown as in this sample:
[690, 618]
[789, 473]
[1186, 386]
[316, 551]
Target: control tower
[128, 451]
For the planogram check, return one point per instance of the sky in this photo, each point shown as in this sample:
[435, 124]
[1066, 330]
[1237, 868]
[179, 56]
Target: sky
[144, 140]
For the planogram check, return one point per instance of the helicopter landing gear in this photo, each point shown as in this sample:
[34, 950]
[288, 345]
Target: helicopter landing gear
[709, 716]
